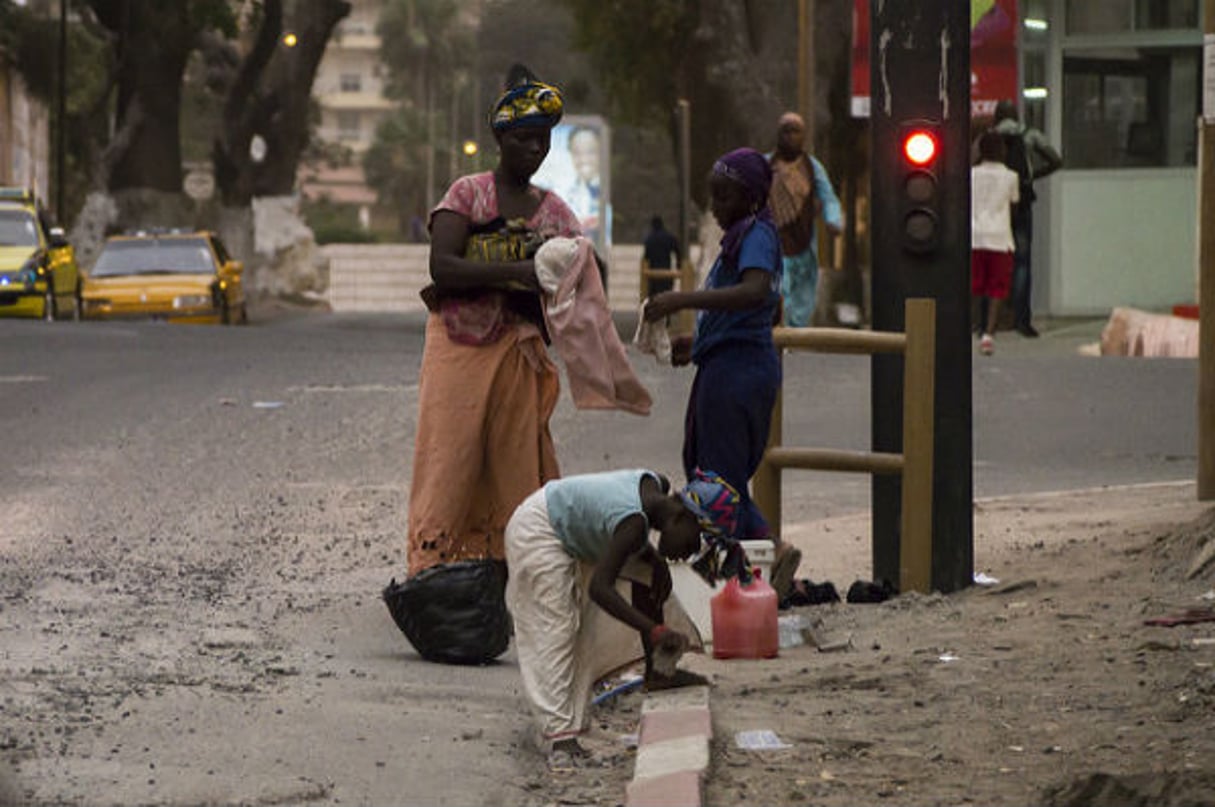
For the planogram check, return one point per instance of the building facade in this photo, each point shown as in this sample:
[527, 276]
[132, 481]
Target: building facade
[24, 135]
[1116, 86]
[349, 89]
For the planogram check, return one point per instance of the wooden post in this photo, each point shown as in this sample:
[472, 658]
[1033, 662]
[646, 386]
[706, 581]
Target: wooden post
[1206, 264]
[806, 76]
[685, 319]
[919, 390]
[766, 483]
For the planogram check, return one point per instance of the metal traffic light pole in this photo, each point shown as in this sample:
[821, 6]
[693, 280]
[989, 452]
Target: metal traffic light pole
[920, 224]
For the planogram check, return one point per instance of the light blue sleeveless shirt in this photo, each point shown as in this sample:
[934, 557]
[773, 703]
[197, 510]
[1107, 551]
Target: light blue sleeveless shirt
[586, 509]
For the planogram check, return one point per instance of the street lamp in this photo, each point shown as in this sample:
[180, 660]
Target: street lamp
[470, 148]
[290, 39]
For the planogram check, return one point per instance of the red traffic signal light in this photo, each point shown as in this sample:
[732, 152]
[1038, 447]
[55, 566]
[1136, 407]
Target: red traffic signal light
[919, 147]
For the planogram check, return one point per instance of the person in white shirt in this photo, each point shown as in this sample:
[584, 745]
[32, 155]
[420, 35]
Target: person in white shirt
[994, 189]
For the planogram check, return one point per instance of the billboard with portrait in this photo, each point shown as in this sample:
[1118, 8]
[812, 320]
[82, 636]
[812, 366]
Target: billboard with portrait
[578, 169]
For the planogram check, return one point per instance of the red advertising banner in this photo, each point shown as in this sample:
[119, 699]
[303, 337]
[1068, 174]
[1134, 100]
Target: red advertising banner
[993, 55]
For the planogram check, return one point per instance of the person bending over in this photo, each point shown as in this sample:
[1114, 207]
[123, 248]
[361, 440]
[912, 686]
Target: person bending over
[570, 547]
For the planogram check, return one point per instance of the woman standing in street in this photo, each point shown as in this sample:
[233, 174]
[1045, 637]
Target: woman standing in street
[487, 385]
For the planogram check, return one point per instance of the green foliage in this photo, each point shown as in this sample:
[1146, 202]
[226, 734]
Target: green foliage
[638, 48]
[334, 223]
[395, 165]
[30, 43]
[220, 16]
[422, 39]
[428, 50]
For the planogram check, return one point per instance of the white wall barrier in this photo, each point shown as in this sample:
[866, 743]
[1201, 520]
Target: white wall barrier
[388, 277]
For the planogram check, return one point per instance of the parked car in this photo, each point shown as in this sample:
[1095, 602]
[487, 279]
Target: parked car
[38, 272]
[180, 276]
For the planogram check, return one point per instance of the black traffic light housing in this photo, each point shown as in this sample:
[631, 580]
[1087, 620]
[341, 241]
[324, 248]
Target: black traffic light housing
[920, 247]
[920, 184]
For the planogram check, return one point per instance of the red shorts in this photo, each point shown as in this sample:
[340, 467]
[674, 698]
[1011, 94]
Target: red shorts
[990, 273]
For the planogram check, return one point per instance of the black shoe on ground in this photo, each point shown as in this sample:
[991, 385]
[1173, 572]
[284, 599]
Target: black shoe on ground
[1028, 331]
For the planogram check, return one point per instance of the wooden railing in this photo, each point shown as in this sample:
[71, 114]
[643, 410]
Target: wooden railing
[917, 346]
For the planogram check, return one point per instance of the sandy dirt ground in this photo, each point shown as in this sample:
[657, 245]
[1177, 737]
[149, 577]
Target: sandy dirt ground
[1044, 688]
[192, 677]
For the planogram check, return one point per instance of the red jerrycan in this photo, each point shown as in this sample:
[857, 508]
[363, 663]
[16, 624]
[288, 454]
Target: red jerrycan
[744, 620]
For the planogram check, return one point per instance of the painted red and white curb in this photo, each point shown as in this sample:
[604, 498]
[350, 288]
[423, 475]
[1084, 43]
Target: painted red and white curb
[672, 749]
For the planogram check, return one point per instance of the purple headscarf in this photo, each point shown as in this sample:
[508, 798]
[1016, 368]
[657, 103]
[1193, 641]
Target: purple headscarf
[752, 172]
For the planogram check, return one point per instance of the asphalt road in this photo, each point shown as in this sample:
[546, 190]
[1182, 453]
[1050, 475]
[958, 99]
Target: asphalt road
[198, 522]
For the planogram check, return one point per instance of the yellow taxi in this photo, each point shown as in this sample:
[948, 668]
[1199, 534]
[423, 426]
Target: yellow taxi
[173, 275]
[38, 272]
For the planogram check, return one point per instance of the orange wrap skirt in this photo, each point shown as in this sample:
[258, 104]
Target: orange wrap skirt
[482, 442]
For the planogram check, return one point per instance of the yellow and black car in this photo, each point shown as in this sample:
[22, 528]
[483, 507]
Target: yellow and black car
[38, 272]
[173, 275]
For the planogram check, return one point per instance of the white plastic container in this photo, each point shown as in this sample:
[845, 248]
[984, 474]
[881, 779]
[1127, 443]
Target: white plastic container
[694, 593]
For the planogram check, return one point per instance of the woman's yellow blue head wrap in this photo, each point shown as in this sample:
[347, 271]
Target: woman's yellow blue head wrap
[526, 101]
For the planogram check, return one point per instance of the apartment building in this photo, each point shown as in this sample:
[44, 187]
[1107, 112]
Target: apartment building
[349, 88]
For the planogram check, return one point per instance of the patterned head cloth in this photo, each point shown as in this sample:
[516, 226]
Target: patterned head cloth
[748, 168]
[526, 101]
[752, 172]
[713, 501]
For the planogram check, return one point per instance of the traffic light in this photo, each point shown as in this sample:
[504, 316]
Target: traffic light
[920, 186]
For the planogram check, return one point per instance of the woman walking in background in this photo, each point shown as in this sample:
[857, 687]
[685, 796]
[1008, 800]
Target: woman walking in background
[801, 192]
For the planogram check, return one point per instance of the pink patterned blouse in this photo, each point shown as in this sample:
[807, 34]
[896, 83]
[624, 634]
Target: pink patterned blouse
[475, 197]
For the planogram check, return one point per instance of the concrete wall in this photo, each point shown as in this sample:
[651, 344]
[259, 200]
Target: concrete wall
[388, 277]
[25, 143]
[1128, 238]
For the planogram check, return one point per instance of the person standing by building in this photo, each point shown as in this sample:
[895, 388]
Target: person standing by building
[1028, 154]
[994, 191]
[661, 251]
[801, 191]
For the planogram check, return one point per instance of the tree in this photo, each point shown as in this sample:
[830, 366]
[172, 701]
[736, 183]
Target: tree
[29, 41]
[428, 50]
[270, 98]
[152, 41]
[732, 60]
[395, 165]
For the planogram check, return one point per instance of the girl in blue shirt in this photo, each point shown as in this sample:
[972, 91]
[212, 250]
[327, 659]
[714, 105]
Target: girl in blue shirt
[738, 370]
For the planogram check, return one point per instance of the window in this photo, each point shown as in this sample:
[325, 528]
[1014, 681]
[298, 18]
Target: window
[1035, 43]
[1130, 107]
[351, 82]
[1165, 14]
[1120, 16]
[348, 126]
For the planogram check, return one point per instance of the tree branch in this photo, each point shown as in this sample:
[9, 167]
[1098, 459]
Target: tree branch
[255, 63]
[121, 141]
